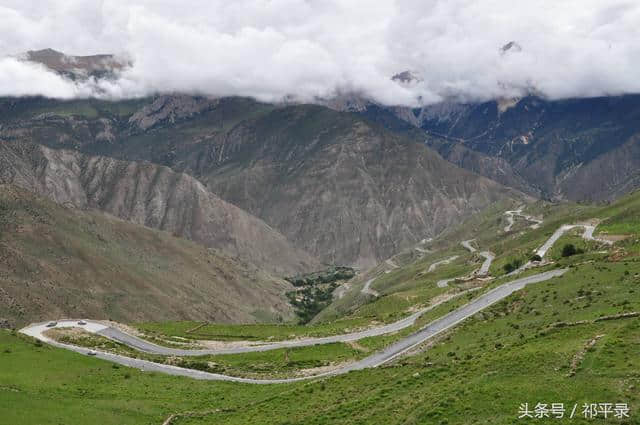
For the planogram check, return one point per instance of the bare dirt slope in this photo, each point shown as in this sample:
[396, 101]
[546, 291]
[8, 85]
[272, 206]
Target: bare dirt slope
[149, 195]
[335, 184]
[63, 262]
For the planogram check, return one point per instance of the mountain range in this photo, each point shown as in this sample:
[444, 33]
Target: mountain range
[338, 186]
[149, 195]
[571, 149]
[281, 189]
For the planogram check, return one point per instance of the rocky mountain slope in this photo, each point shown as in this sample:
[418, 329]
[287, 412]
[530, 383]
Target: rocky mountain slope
[341, 187]
[149, 195]
[77, 67]
[336, 185]
[64, 262]
[578, 149]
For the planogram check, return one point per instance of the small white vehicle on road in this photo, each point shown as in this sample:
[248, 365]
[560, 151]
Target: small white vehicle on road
[51, 324]
[82, 322]
[91, 353]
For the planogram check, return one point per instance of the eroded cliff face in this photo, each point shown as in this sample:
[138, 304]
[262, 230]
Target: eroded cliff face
[340, 187]
[149, 195]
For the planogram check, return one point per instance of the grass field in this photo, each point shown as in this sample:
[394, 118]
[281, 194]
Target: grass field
[278, 363]
[478, 373]
[250, 332]
[622, 217]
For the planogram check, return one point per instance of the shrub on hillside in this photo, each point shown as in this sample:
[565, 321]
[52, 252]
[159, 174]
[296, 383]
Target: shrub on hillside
[512, 266]
[569, 249]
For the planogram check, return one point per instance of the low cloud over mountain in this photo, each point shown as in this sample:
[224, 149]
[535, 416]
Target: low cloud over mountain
[302, 51]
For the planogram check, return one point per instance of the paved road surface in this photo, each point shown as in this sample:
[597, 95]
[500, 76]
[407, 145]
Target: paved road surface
[587, 234]
[443, 283]
[432, 329]
[433, 266]
[482, 271]
[542, 251]
[451, 319]
[391, 264]
[488, 259]
[511, 215]
[467, 244]
[510, 219]
[151, 348]
[366, 289]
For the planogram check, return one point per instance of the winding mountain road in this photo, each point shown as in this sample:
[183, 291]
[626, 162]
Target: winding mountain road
[433, 266]
[387, 354]
[542, 251]
[467, 245]
[145, 346]
[366, 289]
[391, 264]
[443, 283]
[511, 219]
[432, 329]
[587, 234]
[483, 270]
[488, 259]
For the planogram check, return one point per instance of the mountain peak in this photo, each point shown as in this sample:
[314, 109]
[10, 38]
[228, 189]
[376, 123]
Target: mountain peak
[48, 52]
[510, 47]
[406, 77]
[76, 67]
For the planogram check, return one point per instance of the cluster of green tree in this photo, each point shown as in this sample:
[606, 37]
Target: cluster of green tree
[569, 249]
[512, 266]
[309, 301]
[332, 274]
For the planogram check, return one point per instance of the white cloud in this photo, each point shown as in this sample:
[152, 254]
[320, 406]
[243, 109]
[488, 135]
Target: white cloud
[270, 49]
[19, 78]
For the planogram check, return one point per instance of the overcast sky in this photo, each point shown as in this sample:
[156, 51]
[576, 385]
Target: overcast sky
[317, 48]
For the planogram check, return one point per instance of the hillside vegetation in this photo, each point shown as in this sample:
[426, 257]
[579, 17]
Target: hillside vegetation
[574, 339]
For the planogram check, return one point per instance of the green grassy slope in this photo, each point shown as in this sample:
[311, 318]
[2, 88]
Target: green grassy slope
[559, 341]
[411, 286]
[478, 373]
